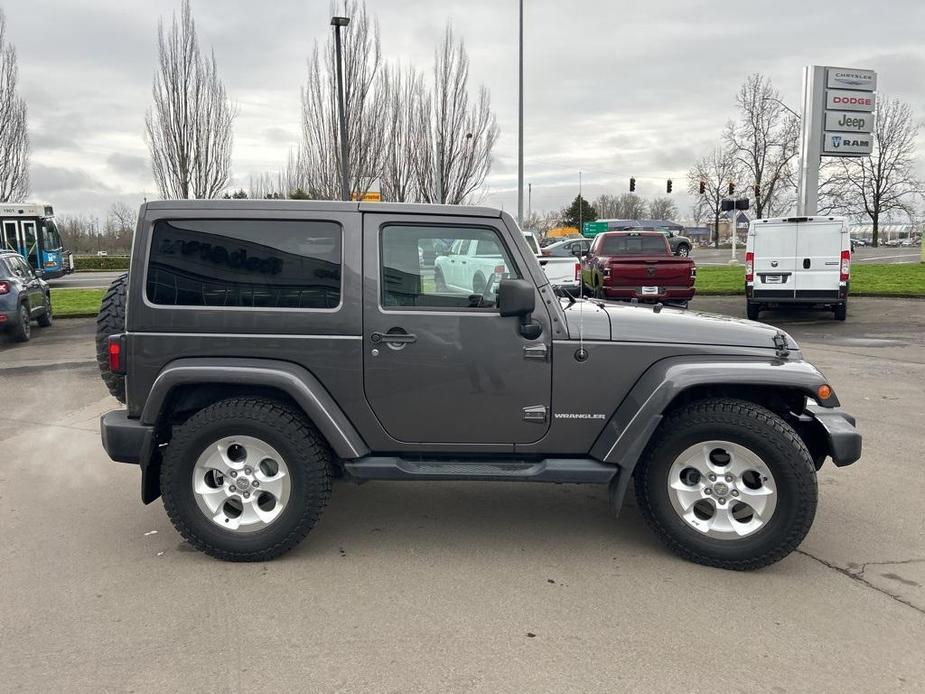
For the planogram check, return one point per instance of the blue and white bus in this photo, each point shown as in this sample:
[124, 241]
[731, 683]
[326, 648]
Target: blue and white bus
[30, 230]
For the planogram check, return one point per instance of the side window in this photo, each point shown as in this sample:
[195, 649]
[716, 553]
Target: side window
[452, 281]
[245, 263]
[24, 269]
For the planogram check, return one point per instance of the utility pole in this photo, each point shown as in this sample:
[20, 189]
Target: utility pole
[529, 200]
[580, 210]
[337, 23]
[520, 122]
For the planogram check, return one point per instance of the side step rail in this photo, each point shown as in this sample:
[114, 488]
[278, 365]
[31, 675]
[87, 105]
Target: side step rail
[559, 470]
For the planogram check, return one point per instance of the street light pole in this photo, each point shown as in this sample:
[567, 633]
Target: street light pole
[337, 23]
[520, 122]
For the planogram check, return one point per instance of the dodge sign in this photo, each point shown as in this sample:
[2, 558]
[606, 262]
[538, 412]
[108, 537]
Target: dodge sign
[839, 100]
[846, 144]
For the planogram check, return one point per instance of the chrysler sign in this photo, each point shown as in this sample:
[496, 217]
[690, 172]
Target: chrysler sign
[846, 144]
[848, 78]
[849, 121]
[840, 100]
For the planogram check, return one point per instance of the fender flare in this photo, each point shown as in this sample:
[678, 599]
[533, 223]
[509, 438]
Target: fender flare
[630, 428]
[292, 379]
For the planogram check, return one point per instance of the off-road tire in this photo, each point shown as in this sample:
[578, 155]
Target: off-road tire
[752, 310]
[47, 318]
[307, 457]
[841, 311]
[111, 321]
[759, 430]
[22, 329]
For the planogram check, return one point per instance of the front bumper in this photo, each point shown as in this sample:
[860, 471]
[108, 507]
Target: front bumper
[838, 430]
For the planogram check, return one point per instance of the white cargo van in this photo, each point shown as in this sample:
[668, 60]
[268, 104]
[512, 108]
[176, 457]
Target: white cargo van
[798, 260]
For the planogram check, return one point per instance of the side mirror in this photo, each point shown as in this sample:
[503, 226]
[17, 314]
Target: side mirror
[516, 298]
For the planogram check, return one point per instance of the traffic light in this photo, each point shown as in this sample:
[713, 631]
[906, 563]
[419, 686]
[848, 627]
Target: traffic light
[703, 187]
[632, 184]
[668, 187]
[732, 188]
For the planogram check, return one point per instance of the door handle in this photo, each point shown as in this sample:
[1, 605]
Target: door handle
[392, 337]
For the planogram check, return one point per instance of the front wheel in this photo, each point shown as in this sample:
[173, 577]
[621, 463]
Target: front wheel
[47, 318]
[727, 483]
[684, 250]
[245, 479]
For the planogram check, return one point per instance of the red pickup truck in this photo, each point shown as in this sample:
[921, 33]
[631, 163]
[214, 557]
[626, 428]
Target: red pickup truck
[637, 265]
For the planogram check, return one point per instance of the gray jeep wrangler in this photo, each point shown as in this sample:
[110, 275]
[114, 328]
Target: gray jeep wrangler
[263, 348]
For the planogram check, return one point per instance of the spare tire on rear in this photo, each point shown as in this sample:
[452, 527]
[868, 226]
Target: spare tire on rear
[111, 321]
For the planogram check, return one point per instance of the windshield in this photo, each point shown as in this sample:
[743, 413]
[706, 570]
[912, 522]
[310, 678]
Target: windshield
[633, 245]
[51, 239]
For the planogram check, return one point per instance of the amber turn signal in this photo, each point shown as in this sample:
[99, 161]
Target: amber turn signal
[824, 391]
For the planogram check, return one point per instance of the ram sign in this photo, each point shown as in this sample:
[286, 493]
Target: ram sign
[846, 144]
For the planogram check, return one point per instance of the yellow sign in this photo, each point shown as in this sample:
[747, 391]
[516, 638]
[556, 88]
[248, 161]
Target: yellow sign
[369, 196]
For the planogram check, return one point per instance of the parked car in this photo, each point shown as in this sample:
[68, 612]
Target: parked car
[680, 245]
[719, 424]
[568, 248]
[563, 271]
[24, 297]
[797, 261]
[638, 265]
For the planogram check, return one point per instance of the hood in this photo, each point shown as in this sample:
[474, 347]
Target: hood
[626, 322]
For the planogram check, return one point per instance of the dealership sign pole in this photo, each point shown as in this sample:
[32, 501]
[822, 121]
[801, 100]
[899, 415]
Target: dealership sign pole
[838, 119]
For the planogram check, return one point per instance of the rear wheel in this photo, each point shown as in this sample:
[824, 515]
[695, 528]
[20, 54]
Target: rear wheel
[684, 250]
[727, 483]
[246, 479]
[841, 311]
[752, 310]
[22, 331]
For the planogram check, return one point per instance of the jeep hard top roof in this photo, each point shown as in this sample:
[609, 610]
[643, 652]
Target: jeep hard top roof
[324, 206]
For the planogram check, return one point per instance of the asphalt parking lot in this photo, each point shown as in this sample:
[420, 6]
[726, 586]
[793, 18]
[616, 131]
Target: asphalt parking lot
[458, 587]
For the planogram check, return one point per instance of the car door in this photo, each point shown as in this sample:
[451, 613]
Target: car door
[775, 261]
[445, 367]
[31, 286]
[818, 259]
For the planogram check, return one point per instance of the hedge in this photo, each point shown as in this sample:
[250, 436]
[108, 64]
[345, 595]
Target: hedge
[108, 262]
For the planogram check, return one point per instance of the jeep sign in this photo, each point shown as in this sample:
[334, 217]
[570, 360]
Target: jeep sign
[849, 78]
[839, 100]
[847, 121]
[846, 144]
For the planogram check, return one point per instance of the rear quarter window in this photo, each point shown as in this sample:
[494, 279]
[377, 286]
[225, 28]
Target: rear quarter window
[634, 245]
[245, 263]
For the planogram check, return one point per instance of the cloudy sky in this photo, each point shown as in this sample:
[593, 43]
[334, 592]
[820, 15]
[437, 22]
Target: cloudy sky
[613, 88]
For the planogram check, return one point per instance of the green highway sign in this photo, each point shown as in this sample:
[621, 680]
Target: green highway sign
[591, 229]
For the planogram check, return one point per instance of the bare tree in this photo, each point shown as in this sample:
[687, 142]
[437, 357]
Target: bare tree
[189, 127]
[663, 208]
[631, 206]
[606, 206]
[764, 143]
[454, 139]
[883, 182]
[319, 156]
[714, 170]
[698, 212]
[402, 95]
[14, 137]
